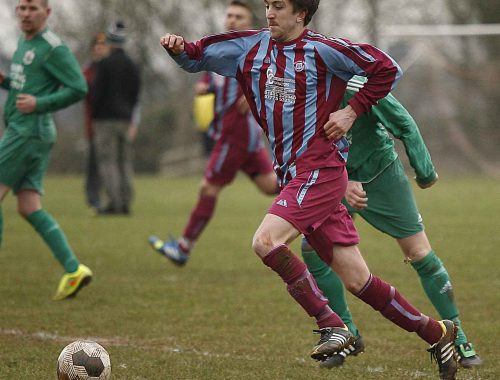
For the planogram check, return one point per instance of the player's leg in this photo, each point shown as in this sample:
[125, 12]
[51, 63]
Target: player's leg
[30, 207]
[12, 156]
[267, 183]
[304, 203]
[395, 213]
[330, 284]
[348, 263]
[76, 275]
[222, 167]
[3, 192]
[28, 192]
[259, 168]
[178, 250]
[333, 289]
[200, 215]
[438, 287]
[270, 243]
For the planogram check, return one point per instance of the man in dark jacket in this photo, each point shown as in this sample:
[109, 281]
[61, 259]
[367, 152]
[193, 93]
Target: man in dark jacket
[115, 94]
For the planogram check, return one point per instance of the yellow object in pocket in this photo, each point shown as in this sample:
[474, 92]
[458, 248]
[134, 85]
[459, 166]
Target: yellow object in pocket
[203, 110]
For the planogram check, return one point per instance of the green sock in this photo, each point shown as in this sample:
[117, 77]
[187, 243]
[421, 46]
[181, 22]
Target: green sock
[53, 235]
[331, 286]
[437, 285]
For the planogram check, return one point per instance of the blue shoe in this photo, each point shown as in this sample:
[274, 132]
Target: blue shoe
[170, 249]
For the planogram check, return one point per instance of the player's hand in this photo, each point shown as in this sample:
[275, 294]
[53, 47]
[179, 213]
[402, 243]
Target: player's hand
[172, 43]
[201, 88]
[26, 103]
[427, 185]
[242, 105]
[339, 123]
[355, 195]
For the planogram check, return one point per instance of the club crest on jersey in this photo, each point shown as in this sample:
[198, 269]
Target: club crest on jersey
[299, 66]
[29, 56]
[267, 60]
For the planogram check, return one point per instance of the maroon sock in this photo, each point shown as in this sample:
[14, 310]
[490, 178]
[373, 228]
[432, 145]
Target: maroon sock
[200, 216]
[301, 286]
[392, 305]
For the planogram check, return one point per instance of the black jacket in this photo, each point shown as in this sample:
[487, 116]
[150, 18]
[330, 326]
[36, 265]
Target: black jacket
[115, 89]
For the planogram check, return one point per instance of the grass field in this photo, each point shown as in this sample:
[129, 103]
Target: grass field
[225, 315]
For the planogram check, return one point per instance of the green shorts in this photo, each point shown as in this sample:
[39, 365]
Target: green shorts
[23, 161]
[391, 204]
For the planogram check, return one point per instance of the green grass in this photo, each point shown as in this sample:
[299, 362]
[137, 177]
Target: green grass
[225, 315]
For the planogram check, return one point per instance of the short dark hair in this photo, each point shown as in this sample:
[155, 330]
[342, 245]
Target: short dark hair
[241, 3]
[44, 3]
[310, 6]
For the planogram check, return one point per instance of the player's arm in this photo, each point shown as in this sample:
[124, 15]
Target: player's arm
[63, 66]
[221, 53]
[345, 60]
[4, 81]
[398, 121]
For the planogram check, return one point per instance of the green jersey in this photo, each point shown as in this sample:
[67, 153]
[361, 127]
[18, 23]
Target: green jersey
[372, 148]
[45, 68]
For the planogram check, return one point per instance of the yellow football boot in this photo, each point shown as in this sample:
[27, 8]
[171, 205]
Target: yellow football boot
[71, 283]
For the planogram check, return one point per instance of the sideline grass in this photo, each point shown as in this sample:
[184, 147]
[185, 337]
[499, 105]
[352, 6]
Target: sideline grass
[225, 315]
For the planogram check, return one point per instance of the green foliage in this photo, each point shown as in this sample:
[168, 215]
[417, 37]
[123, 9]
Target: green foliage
[225, 315]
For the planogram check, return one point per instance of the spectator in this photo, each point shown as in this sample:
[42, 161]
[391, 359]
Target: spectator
[114, 102]
[93, 184]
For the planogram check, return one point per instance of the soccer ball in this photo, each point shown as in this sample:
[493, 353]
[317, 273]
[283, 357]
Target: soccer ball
[83, 360]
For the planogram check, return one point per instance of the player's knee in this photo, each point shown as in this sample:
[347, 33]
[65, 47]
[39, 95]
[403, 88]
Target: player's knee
[267, 183]
[354, 285]
[262, 243]
[209, 190]
[416, 254]
[25, 210]
[271, 189]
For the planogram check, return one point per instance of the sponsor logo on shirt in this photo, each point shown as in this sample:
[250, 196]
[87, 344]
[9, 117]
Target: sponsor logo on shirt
[18, 78]
[279, 89]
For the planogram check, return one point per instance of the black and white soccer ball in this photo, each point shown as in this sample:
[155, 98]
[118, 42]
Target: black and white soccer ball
[83, 360]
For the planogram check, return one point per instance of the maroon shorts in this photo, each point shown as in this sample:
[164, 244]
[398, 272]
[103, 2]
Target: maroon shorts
[312, 203]
[228, 157]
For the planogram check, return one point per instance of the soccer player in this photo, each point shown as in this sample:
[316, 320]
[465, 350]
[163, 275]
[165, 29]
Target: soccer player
[294, 80]
[238, 146]
[379, 191]
[44, 77]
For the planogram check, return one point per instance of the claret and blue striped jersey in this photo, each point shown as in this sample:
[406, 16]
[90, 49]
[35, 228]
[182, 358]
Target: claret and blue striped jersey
[228, 119]
[292, 87]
